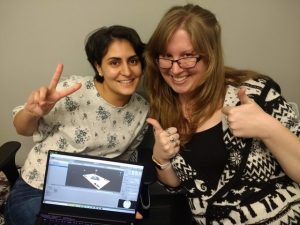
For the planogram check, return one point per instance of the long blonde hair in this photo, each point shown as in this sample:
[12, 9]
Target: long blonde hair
[205, 34]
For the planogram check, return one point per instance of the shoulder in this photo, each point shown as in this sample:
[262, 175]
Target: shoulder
[258, 85]
[262, 90]
[139, 99]
[258, 89]
[70, 80]
[138, 104]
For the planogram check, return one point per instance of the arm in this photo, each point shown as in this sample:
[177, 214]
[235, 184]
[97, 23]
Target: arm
[249, 120]
[284, 145]
[26, 122]
[164, 149]
[168, 176]
[40, 103]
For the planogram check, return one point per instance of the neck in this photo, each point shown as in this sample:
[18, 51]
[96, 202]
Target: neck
[187, 108]
[185, 99]
[110, 97]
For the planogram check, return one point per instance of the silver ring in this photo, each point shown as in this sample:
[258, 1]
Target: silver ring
[176, 144]
[168, 132]
[173, 140]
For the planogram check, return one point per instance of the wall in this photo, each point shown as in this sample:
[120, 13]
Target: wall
[36, 35]
[264, 36]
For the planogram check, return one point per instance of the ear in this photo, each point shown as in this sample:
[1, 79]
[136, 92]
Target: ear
[98, 67]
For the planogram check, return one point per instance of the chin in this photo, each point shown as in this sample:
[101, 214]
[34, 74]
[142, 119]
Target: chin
[128, 93]
[180, 90]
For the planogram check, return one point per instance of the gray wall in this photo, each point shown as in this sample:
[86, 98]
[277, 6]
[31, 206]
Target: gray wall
[37, 35]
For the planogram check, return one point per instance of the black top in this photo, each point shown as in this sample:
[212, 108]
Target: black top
[206, 153]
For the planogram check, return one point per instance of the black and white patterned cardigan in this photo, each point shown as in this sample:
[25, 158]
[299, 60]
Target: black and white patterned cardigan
[253, 188]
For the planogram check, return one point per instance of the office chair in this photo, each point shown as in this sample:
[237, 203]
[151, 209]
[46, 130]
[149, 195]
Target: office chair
[7, 165]
[7, 160]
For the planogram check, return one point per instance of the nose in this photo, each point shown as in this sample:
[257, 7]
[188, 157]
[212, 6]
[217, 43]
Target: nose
[175, 69]
[125, 69]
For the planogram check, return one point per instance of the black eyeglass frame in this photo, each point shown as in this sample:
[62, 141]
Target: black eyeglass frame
[198, 58]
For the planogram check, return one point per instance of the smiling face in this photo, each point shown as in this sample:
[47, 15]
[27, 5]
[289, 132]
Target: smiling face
[182, 81]
[121, 69]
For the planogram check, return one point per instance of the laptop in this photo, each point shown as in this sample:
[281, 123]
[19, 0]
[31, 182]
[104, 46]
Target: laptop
[82, 189]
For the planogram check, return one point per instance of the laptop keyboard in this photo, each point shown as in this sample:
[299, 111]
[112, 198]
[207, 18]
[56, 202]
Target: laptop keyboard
[59, 221]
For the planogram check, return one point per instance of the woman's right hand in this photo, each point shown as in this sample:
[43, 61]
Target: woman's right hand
[42, 100]
[167, 143]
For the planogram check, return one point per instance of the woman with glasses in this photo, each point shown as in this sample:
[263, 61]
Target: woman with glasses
[225, 137]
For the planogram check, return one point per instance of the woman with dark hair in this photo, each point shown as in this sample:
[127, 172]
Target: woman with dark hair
[100, 115]
[224, 136]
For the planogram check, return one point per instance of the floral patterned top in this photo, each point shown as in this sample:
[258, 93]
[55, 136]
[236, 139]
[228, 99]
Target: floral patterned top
[252, 188]
[83, 122]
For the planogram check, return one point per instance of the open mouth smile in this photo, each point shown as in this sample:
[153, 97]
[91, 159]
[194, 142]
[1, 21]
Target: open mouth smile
[126, 81]
[179, 79]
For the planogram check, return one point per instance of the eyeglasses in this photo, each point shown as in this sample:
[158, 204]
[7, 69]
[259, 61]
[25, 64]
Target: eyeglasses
[183, 63]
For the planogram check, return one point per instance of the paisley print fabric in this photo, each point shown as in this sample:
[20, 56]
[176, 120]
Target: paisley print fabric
[85, 123]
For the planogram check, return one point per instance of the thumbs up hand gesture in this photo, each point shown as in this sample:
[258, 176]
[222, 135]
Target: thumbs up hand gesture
[246, 120]
[167, 142]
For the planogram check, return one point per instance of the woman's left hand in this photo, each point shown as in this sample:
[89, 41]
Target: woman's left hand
[247, 120]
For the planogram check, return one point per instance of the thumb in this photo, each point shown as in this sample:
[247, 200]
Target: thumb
[225, 110]
[157, 127]
[138, 216]
[242, 96]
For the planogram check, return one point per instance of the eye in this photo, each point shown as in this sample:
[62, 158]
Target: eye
[114, 62]
[188, 55]
[166, 56]
[134, 61]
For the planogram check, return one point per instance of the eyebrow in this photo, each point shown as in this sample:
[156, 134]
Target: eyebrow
[134, 56]
[185, 51]
[119, 58]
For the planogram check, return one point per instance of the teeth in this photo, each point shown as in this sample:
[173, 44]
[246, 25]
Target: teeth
[179, 78]
[125, 81]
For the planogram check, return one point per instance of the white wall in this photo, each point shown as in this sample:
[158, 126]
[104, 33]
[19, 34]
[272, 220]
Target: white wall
[35, 35]
[264, 36]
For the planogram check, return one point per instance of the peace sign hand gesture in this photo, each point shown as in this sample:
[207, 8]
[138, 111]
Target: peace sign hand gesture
[42, 100]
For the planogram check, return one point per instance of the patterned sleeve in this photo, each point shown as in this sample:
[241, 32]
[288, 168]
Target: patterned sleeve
[180, 188]
[43, 128]
[17, 109]
[43, 131]
[275, 105]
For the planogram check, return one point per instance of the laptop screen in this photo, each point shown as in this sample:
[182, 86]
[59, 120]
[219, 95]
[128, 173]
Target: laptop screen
[89, 183]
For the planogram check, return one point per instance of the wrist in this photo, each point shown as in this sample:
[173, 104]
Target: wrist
[159, 165]
[272, 125]
[32, 114]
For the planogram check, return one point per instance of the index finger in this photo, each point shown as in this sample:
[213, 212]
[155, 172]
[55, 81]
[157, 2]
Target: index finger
[56, 76]
[69, 90]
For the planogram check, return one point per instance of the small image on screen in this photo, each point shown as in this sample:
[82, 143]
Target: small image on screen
[96, 180]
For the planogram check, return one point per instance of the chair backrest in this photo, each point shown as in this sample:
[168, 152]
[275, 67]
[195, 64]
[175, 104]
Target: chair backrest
[295, 107]
[7, 160]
